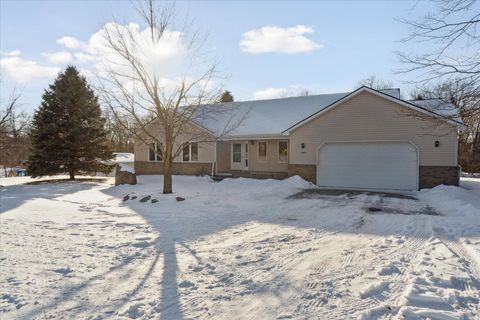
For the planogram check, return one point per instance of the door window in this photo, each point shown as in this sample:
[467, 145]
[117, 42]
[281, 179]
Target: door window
[237, 153]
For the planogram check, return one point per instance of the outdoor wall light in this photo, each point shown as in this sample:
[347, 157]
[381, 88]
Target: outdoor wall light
[302, 145]
[437, 143]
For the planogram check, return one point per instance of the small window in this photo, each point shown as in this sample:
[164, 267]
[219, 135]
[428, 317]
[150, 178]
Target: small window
[237, 153]
[151, 152]
[262, 151]
[186, 153]
[152, 156]
[194, 151]
[190, 152]
[283, 151]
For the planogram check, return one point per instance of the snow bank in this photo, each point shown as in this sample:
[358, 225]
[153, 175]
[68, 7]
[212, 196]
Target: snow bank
[452, 201]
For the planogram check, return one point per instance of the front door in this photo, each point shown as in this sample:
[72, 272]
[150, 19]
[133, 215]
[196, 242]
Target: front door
[239, 156]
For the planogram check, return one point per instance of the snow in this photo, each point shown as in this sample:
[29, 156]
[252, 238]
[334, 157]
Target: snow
[236, 249]
[126, 168]
[123, 157]
[272, 116]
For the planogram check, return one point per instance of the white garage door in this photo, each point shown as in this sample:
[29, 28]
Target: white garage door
[368, 165]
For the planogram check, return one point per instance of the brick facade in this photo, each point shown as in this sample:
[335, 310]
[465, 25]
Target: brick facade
[306, 171]
[431, 176]
[181, 168]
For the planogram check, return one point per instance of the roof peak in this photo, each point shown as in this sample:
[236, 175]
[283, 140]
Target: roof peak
[313, 95]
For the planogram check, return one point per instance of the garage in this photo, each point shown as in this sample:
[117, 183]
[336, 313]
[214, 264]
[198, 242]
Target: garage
[368, 165]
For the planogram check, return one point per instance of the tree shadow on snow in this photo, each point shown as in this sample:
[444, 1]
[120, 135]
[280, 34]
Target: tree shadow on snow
[178, 227]
[14, 196]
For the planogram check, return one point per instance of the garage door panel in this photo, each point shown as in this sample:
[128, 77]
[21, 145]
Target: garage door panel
[368, 165]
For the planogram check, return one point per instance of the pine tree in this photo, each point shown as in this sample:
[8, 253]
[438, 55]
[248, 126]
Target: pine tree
[68, 133]
[226, 97]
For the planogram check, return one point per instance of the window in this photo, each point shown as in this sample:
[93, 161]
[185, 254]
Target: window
[152, 156]
[237, 153]
[190, 152]
[262, 151]
[283, 151]
[194, 151]
[186, 153]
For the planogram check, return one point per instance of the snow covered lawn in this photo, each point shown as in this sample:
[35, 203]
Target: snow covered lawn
[237, 249]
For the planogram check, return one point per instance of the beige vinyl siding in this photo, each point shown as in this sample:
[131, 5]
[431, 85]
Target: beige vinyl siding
[272, 163]
[223, 156]
[206, 150]
[367, 117]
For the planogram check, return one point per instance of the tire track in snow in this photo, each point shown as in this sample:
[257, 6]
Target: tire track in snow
[352, 269]
[413, 255]
[455, 247]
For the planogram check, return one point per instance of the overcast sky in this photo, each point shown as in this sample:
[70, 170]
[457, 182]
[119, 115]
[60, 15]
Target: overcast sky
[266, 49]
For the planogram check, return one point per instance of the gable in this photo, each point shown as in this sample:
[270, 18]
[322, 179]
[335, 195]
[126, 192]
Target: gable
[407, 108]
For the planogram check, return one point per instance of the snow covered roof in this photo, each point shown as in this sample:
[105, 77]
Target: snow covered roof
[273, 116]
[441, 107]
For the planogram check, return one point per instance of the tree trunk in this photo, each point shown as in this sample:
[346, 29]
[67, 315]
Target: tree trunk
[72, 174]
[167, 175]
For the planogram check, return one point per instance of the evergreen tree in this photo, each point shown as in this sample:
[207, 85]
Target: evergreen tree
[68, 133]
[226, 97]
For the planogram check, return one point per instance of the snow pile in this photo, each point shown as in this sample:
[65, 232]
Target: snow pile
[452, 201]
[298, 182]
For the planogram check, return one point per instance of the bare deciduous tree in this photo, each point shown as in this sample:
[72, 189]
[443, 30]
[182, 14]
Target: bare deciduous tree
[133, 84]
[119, 131]
[8, 108]
[14, 142]
[453, 32]
[375, 83]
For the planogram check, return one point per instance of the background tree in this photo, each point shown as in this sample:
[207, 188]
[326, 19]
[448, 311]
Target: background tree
[134, 81]
[119, 131]
[452, 31]
[14, 142]
[68, 133]
[375, 83]
[226, 97]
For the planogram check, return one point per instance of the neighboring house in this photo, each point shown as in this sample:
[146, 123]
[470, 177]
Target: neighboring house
[365, 139]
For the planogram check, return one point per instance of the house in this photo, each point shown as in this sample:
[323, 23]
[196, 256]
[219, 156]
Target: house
[365, 139]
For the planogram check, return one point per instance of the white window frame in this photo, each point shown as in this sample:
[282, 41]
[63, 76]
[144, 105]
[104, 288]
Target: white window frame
[278, 151]
[266, 151]
[156, 155]
[233, 152]
[190, 152]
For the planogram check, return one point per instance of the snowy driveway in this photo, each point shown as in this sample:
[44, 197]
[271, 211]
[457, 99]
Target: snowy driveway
[238, 249]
